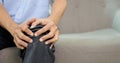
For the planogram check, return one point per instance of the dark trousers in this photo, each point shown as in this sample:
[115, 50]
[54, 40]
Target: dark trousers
[38, 52]
[6, 39]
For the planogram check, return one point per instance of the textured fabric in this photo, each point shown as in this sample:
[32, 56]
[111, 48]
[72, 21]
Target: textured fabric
[38, 52]
[22, 10]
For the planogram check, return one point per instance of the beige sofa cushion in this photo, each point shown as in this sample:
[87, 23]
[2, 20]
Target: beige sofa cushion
[101, 46]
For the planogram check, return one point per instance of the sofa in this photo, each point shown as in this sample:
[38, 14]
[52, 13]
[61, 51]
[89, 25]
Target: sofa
[90, 33]
[99, 42]
[101, 46]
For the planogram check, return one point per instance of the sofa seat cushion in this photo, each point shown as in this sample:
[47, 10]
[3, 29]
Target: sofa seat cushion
[102, 46]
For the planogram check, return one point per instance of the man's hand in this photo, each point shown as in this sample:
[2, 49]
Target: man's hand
[48, 25]
[20, 39]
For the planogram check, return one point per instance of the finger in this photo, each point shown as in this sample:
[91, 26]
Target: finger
[18, 46]
[23, 37]
[26, 25]
[36, 23]
[54, 39]
[49, 35]
[21, 42]
[51, 46]
[29, 22]
[44, 29]
[27, 30]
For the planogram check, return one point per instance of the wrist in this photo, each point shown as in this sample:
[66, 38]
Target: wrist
[12, 27]
[54, 19]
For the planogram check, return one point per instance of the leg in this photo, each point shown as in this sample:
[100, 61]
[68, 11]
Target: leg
[10, 55]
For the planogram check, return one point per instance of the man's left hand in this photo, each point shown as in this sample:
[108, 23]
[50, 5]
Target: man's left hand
[48, 25]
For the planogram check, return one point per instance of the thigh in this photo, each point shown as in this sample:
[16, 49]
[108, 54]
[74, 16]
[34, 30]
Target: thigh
[10, 55]
[6, 39]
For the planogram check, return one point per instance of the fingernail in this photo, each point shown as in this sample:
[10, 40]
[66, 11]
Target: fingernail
[22, 48]
[31, 41]
[32, 26]
[31, 34]
[35, 34]
[41, 40]
[46, 42]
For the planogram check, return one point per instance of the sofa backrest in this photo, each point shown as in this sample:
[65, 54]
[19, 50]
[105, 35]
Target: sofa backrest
[84, 16]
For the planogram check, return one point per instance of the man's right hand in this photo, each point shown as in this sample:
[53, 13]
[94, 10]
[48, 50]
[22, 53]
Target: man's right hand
[20, 39]
[15, 30]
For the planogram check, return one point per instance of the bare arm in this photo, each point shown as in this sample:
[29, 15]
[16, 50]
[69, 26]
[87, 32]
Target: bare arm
[16, 30]
[58, 8]
[51, 22]
[6, 21]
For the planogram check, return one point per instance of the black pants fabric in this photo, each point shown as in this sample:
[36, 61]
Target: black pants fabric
[6, 40]
[38, 52]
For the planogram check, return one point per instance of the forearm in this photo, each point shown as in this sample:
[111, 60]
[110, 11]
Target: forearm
[58, 9]
[6, 21]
